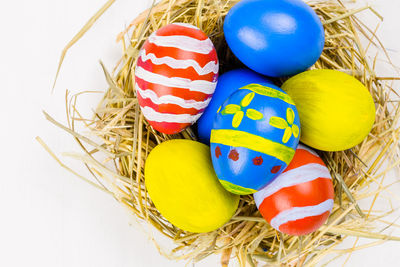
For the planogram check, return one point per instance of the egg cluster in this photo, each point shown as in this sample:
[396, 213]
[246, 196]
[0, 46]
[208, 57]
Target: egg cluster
[250, 127]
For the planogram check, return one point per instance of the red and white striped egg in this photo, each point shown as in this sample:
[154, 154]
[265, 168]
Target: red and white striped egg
[175, 75]
[299, 200]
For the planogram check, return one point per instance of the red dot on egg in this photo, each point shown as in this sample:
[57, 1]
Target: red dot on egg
[275, 169]
[233, 155]
[218, 152]
[258, 161]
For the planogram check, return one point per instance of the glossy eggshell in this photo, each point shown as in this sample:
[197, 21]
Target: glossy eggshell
[275, 38]
[182, 184]
[300, 200]
[336, 110]
[228, 83]
[175, 76]
[254, 137]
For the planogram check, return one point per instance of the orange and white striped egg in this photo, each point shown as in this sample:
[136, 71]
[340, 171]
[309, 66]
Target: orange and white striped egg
[176, 75]
[299, 200]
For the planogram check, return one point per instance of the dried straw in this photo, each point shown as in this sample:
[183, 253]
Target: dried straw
[124, 139]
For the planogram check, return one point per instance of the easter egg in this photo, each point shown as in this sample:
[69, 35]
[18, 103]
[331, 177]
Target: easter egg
[227, 83]
[254, 137]
[336, 110]
[175, 76]
[299, 200]
[275, 38]
[181, 182]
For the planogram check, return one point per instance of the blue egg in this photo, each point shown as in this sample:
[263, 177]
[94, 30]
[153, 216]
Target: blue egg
[274, 37]
[228, 83]
[254, 137]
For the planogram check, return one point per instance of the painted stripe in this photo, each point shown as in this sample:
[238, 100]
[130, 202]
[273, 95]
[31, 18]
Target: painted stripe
[268, 91]
[161, 90]
[254, 142]
[153, 115]
[301, 146]
[180, 54]
[167, 108]
[297, 213]
[167, 71]
[186, 25]
[210, 67]
[301, 195]
[302, 174]
[237, 189]
[304, 226]
[197, 85]
[170, 99]
[183, 42]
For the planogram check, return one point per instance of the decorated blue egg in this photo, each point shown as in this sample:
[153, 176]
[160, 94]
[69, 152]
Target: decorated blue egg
[277, 37]
[254, 137]
[228, 83]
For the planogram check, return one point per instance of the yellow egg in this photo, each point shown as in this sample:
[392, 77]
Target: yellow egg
[182, 184]
[336, 110]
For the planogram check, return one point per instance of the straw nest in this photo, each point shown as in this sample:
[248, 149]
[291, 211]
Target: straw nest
[123, 139]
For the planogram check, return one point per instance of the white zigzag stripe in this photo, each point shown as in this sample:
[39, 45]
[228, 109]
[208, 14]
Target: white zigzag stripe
[180, 64]
[300, 146]
[183, 42]
[170, 99]
[152, 115]
[186, 25]
[302, 174]
[202, 86]
[297, 213]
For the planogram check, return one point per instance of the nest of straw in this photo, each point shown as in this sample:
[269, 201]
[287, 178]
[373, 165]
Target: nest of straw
[120, 139]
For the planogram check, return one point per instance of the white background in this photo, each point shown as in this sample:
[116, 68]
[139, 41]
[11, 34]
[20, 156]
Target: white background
[48, 217]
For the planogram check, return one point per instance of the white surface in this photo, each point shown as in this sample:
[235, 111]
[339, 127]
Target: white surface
[48, 216]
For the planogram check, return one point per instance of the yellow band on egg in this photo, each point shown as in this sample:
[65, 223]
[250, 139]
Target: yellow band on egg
[268, 91]
[237, 189]
[253, 142]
